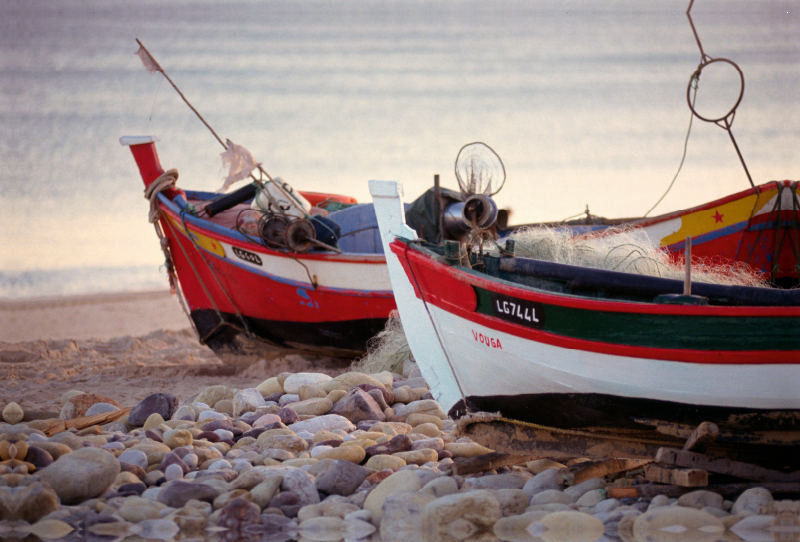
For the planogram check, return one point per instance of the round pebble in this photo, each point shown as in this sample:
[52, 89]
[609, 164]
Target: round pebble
[308, 471]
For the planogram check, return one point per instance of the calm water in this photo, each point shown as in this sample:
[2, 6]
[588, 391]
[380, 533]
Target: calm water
[584, 101]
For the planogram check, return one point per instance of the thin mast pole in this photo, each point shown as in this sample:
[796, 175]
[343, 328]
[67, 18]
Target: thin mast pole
[199, 116]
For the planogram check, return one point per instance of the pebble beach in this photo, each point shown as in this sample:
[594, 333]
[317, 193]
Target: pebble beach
[153, 437]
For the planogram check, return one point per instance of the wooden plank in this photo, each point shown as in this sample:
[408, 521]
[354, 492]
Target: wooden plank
[681, 458]
[676, 476]
[628, 492]
[557, 444]
[606, 468]
[650, 490]
[490, 461]
[702, 437]
[86, 421]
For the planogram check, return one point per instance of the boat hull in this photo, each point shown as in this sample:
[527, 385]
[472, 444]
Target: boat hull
[578, 373]
[566, 360]
[330, 304]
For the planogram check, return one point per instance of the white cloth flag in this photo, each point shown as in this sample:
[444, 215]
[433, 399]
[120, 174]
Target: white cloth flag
[240, 164]
[148, 63]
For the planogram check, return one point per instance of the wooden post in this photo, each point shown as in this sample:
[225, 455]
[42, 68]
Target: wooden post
[702, 437]
[439, 207]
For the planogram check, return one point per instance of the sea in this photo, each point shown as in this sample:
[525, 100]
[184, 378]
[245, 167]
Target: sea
[584, 101]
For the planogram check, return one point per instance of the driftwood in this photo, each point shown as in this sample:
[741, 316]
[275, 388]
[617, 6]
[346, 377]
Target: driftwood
[702, 437]
[650, 490]
[671, 460]
[490, 461]
[86, 421]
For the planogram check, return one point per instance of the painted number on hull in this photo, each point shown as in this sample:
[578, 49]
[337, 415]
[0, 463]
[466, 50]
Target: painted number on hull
[247, 256]
[519, 311]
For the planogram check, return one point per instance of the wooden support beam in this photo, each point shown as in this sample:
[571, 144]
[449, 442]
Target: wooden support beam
[650, 490]
[676, 476]
[702, 437]
[626, 492]
[490, 461]
[605, 468]
[681, 458]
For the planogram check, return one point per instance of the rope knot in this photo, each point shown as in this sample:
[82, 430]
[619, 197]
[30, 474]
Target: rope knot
[165, 181]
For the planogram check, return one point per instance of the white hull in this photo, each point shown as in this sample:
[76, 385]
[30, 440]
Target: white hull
[463, 359]
[493, 363]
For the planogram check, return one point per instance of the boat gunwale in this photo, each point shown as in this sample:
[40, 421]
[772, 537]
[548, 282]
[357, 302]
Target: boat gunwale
[571, 300]
[755, 190]
[327, 290]
[236, 238]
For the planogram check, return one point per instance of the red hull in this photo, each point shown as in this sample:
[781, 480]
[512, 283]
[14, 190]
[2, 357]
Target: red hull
[321, 302]
[759, 227]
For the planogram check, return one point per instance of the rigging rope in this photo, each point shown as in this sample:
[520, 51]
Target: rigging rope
[166, 181]
[695, 79]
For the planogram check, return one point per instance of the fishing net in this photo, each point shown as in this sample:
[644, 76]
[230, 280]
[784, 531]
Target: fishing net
[479, 170]
[386, 351]
[625, 250]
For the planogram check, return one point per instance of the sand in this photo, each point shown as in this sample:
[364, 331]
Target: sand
[124, 346]
[99, 316]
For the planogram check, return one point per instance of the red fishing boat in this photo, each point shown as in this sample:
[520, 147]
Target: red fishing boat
[287, 289]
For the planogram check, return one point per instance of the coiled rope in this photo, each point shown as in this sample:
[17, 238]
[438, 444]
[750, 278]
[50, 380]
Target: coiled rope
[165, 181]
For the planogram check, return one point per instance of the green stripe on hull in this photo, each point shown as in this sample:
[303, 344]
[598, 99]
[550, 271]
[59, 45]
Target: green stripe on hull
[646, 330]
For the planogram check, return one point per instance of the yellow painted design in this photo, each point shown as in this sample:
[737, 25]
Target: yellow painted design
[716, 218]
[204, 241]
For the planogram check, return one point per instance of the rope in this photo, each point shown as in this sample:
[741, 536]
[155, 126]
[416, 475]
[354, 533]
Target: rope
[166, 181]
[695, 79]
[199, 250]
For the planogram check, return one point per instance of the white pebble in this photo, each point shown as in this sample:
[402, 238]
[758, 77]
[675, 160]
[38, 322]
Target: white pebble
[219, 465]
[191, 461]
[241, 465]
[224, 434]
[173, 472]
[134, 457]
[211, 415]
[306, 435]
[287, 398]
[317, 450]
[151, 493]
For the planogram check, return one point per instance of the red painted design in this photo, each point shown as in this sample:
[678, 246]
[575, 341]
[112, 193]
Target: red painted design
[753, 241]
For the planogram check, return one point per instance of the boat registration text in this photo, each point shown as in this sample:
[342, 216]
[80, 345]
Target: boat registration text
[518, 311]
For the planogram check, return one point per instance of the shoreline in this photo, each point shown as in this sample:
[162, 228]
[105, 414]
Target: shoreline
[90, 316]
[7, 303]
